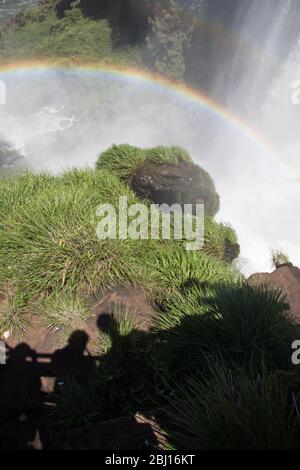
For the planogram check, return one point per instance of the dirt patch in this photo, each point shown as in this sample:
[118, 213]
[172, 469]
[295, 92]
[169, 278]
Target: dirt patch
[123, 299]
[36, 364]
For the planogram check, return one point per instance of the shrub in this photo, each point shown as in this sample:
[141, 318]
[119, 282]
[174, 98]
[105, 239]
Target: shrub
[238, 323]
[49, 241]
[220, 240]
[121, 160]
[280, 259]
[13, 313]
[43, 35]
[65, 312]
[234, 410]
[124, 160]
[176, 269]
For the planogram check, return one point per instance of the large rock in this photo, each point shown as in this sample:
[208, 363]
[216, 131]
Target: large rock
[287, 280]
[170, 183]
[9, 157]
[139, 432]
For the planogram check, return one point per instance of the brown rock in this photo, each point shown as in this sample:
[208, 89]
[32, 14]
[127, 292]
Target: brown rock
[287, 280]
[127, 433]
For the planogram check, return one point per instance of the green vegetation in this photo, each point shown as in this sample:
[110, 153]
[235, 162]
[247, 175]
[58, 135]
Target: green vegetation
[233, 410]
[124, 160]
[49, 243]
[280, 259]
[73, 38]
[158, 34]
[170, 37]
[235, 373]
[65, 312]
[217, 360]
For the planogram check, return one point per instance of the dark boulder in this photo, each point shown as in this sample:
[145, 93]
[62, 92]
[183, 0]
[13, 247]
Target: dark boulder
[9, 157]
[170, 183]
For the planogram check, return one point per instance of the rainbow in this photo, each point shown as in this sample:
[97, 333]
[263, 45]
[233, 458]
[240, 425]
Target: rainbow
[148, 78]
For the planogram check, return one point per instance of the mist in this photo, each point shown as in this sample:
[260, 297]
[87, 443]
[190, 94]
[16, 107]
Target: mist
[58, 120]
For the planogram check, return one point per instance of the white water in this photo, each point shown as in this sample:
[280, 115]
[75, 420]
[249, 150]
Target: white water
[60, 121]
[9, 8]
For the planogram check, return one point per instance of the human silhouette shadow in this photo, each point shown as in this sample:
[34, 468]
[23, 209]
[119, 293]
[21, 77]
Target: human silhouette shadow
[130, 376]
[20, 395]
[24, 405]
[127, 365]
[120, 427]
[74, 359]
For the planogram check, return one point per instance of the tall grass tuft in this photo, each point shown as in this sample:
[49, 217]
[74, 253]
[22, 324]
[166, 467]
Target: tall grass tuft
[238, 323]
[234, 410]
[49, 241]
[65, 312]
[280, 259]
[124, 160]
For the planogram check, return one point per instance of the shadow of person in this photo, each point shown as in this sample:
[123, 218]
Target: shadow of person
[74, 359]
[128, 372]
[21, 384]
[124, 346]
[121, 424]
[21, 396]
[23, 403]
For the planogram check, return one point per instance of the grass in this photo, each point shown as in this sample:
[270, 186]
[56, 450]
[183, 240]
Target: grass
[233, 410]
[121, 324]
[124, 160]
[231, 369]
[116, 382]
[175, 269]
[236, 322]
[280, 259]
[18, 190]
[65, 312]
[13, 313]
[77, 405]
[220, 240]
[52, 262]
[226, 343]
[49, 243]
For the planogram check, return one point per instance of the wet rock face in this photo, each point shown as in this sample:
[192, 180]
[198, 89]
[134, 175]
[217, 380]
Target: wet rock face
[170, 184]
[9, 157]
